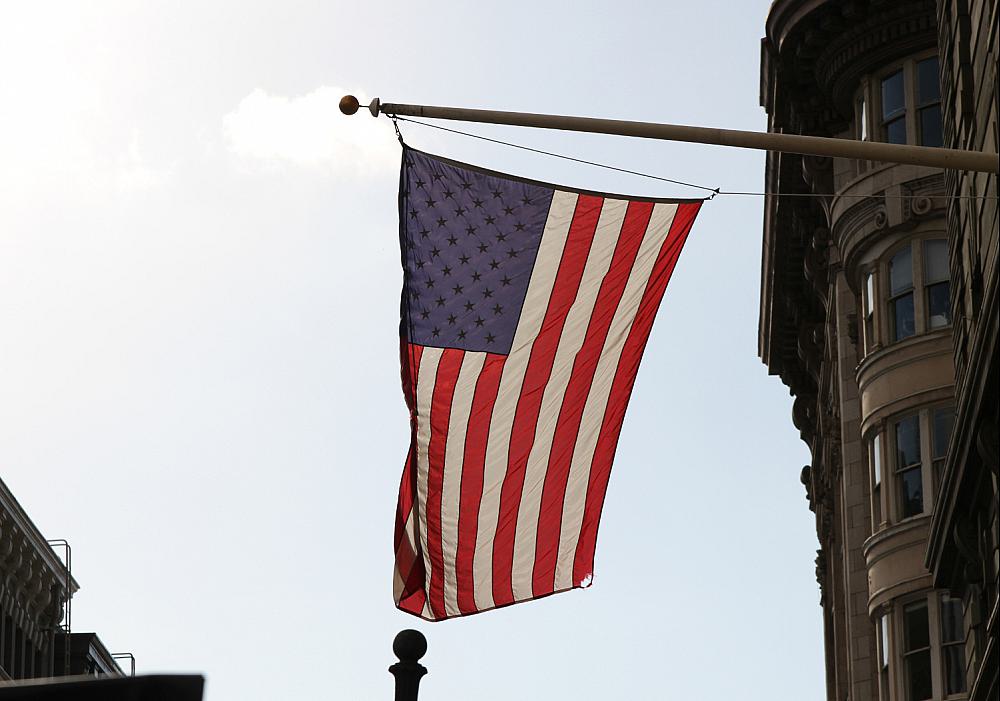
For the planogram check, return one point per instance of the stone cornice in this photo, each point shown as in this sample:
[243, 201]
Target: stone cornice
[33, 580]
[858, 223]
[819, 50]
[890, 32]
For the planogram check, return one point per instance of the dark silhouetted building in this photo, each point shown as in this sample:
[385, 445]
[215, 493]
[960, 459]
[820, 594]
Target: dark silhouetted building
[879, 312]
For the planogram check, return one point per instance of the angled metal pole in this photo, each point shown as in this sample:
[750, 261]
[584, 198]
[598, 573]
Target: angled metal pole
[787, 143]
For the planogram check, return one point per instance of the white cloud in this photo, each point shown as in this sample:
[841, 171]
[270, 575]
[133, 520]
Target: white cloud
[309, 131]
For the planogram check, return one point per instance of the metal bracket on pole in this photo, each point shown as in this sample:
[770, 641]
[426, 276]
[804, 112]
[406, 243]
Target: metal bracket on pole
[786, 143]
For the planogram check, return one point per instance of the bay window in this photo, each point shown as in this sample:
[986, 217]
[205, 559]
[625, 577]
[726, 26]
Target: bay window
[921, 649]
[914, 283]
[906, 456]
[902, 104]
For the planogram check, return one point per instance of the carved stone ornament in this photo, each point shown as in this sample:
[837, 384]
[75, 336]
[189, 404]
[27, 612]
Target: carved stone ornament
[921, 205]
[881, 218]
[821, 575]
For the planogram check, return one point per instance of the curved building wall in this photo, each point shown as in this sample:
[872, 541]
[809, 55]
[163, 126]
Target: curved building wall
[857, 317]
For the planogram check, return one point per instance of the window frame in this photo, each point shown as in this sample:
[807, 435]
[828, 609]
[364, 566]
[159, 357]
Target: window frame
[869, 305]
[870, 91]
[899, 470]
[926, 283]
[875, 445]
[889, 625]
[920, 106]
[883, 655]
[891, 299]
[958, 642]
[886, 494]
[882, 323]
[904, 113]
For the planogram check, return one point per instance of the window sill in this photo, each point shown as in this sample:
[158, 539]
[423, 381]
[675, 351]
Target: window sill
[892, 529]
[879, 351]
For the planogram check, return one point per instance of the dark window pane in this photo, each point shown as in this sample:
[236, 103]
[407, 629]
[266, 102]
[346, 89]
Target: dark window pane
[895, 131]
[901, 272]
[876, 508]
[930, 126]
[902, 318]
[936, 261]
[907, 442]
[918, 676]
[928, 81]
[911, 492]
[954, 669]
[938, 305]
[915, 629]
[952, 628]
[943, 421]
[893, 97]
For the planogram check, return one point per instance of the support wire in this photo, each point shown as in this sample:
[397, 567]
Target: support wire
[715, 191]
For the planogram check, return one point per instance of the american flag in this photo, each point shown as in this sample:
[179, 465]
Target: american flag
[525, 311]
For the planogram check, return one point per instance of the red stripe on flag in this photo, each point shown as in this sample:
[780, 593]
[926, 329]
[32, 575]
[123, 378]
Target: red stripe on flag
[409, 369]
[440, 417]
[473, 464]
[543, 351]
[413, 597]
[621, 389]
[575, 399]
[409, 566]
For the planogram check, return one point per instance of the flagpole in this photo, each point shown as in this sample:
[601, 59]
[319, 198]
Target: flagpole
[955, 159]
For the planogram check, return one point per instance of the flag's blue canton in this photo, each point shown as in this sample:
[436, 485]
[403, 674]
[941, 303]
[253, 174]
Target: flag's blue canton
[469, 245]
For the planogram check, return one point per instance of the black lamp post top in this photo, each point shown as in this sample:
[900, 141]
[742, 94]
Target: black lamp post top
[409, 645]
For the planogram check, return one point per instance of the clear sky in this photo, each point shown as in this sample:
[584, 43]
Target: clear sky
[199, 382]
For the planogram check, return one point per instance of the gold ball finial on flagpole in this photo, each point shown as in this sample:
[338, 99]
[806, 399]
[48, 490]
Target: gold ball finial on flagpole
[349, 104]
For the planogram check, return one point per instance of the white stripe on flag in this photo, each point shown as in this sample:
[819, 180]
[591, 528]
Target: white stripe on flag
[602, 250]
[561, 212]
[451, 487]
[426, 378]
[593, 414]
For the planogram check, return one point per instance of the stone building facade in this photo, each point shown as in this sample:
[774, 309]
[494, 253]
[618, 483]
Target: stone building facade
[36, 590]
[878, 311]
